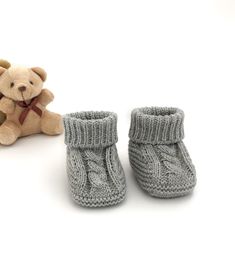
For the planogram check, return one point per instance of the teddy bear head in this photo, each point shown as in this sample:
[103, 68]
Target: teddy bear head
[20, 83]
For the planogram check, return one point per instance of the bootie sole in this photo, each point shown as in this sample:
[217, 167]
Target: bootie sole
[88, 201]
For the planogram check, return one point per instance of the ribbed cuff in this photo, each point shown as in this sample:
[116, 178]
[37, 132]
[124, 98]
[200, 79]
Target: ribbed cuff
[157, 125]
[90, 129]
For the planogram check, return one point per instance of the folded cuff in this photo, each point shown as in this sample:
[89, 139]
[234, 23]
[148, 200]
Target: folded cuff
[157, 125]
[90, 129]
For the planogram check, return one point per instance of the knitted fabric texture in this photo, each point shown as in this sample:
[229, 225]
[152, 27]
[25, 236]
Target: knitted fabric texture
[94, 171]
[158, 156]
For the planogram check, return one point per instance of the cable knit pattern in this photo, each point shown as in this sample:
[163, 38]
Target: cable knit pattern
[94, 171]
[158, 156]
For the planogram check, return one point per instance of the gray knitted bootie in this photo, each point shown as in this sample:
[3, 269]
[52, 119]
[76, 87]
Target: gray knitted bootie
[158, 156]
[94, 171]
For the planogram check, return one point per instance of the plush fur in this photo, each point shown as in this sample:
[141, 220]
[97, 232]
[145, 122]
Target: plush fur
[2, 118]
[23, 103]
[5, 64]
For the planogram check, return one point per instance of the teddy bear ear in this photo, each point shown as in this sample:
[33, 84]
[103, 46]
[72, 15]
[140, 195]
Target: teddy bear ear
[2, 70]
[5, 64]
[40, 72]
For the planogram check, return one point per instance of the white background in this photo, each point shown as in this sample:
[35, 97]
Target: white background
[118, 55]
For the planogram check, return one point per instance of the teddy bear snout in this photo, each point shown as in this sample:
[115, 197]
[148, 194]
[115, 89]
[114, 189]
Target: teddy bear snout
[22, 88]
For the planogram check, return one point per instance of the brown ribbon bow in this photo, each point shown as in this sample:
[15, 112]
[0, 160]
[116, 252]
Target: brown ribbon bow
[27, 108]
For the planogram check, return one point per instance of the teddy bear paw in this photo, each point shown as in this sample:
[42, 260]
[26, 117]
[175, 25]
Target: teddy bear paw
[7, 136]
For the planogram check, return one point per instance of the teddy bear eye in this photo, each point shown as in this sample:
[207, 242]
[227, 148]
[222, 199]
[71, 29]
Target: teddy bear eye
[12, 84]
[31, 82]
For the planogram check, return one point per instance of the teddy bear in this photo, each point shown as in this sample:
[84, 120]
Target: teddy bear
[23, 104]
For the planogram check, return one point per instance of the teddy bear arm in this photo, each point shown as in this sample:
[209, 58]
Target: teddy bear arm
[46, 97]
[7, 105]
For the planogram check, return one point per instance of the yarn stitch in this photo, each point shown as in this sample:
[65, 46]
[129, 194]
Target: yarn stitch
[158, 156]
[95, 174]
